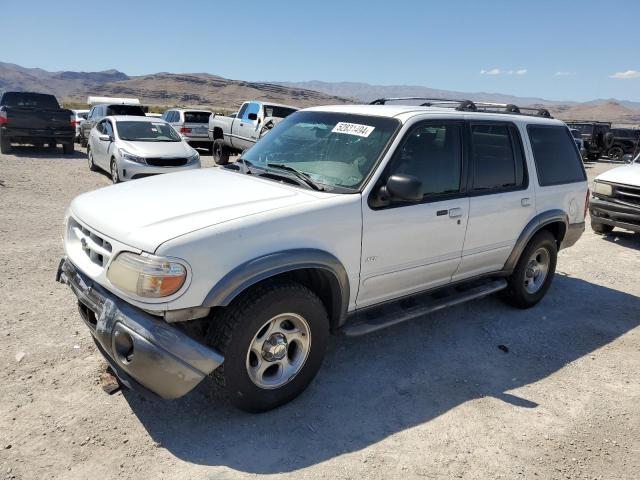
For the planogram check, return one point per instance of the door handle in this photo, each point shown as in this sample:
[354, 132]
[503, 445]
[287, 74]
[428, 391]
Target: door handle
[455, 212]
[525, 202]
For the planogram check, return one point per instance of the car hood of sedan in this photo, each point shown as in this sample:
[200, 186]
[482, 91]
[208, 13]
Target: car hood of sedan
[146, 213]
[627, 175]
[157, 149]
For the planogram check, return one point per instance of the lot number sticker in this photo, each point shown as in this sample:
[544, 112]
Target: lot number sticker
[353, 129]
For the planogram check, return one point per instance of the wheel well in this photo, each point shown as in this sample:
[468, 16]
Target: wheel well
[557, 229]
[217, 133]
[321, 282]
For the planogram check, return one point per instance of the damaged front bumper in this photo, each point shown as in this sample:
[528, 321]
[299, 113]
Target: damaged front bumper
[146, 353]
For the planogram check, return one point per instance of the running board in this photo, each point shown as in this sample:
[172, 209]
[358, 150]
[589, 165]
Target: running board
[374, 319]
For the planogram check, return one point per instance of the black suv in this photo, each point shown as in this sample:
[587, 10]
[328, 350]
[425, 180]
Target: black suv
[625, 141]
[597, 137]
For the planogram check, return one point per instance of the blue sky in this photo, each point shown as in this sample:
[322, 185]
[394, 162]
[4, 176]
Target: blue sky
[566, 50]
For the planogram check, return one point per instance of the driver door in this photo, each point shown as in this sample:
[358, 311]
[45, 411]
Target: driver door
[247, 128]
[411, 247]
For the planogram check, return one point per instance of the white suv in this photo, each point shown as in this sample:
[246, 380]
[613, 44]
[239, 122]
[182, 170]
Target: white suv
[243, 271]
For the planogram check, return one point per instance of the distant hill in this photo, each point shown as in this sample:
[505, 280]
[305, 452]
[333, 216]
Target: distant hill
[193, 89]
[206, 90]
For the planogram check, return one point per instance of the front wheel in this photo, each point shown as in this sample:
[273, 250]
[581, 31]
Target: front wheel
[534, 272]
[273, 339]
[601, 228]
[115, 175]
[220, 152]
[615, 153]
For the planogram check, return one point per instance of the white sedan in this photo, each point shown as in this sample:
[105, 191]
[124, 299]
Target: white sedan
[134, 147]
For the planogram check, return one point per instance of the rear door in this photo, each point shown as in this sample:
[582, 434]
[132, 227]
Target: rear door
[410, 247]
[502, 197]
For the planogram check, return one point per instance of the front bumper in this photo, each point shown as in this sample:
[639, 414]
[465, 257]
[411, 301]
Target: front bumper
[614, 214]
[132, 170]
[146, 353]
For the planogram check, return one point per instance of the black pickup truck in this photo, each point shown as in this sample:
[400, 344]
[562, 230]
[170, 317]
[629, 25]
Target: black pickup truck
[36, 119]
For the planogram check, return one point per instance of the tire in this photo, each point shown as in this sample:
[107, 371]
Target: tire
[593, 157]
[52, 145]
[601, 228]
[68, 148]
[115, 175]
[615, 153]
[262, 317]
[92, 165]
[83, 142]
[526, 287]
[5, 145]
[220, 152]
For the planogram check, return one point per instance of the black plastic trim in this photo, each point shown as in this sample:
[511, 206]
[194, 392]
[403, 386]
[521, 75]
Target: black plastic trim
[262, 268]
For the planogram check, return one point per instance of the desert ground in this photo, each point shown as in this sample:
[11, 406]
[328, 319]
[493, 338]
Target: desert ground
[434, 398]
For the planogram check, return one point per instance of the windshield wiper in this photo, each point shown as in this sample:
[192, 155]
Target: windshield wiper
[298, 173]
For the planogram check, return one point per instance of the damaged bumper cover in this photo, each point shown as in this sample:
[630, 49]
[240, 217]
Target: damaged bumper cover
[146, 353]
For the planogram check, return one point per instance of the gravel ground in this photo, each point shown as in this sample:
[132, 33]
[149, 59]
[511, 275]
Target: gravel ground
[434, 398]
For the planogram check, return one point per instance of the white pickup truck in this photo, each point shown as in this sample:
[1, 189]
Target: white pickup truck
[346, 218]
[235, 134]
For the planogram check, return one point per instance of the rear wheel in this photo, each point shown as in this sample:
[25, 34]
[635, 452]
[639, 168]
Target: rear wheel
[115, 175]
[534, 272]
[601, 228]
[220, 152]
[83, 141]
[5, 145]
[273, 339]
[92, 165]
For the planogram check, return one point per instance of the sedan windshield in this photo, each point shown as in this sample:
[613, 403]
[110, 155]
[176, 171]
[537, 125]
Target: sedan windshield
[147, 132]
[331, 148]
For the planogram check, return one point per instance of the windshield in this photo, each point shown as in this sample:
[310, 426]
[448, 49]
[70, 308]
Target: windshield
[277, 111]
[584, 128]
[335, 149]
[33, 100]
[147, 132]
[196, 117]
[133, 110]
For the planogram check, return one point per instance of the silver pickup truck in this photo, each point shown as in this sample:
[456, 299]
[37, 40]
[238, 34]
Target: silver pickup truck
[234, 134]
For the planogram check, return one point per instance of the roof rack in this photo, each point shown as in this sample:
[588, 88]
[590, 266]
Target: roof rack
[469, 106]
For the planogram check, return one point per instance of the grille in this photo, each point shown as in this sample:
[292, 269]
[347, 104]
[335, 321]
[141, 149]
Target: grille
[627, 194]
[166, 162]
[93, 245]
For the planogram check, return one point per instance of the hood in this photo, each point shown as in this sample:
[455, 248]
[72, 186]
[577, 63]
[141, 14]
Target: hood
[146, 213]
[157, 149]
[627, 175]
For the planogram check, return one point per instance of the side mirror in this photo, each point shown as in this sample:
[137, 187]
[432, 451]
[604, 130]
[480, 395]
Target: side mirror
[105, 138]
[403, 188]
[253, 116]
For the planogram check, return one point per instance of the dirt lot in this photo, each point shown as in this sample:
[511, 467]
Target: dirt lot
[434, 398]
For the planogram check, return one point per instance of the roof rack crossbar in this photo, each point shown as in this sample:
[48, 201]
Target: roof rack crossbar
[470, 106]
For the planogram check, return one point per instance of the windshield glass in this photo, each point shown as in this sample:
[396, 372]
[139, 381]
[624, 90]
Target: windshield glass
[133, 110]
[333, 148]
[147, 132]
[584, 128]
[34, 100]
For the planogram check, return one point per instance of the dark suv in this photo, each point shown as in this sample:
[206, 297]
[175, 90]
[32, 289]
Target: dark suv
[597, 137]
[625, 141]
[98, 112]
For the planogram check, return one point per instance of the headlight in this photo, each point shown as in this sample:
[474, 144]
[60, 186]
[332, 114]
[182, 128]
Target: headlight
[151, 277]
[193, 158]
[130, 156]
[602, 189]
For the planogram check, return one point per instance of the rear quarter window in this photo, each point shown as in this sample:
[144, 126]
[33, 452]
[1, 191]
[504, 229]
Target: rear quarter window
[555, 154]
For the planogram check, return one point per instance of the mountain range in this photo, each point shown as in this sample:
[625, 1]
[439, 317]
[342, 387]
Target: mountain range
[206, 90]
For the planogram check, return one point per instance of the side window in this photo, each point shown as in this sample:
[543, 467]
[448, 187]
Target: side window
[555, 154]
[108, 128]
[432, 153]
[165, 116]
[100, 127]
[496, 158]
[253, 107]
[242, 110]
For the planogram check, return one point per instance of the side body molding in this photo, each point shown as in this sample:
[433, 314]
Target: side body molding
[256, 270]
[536, 223]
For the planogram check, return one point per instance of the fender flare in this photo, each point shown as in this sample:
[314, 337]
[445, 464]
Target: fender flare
[267, 266]
[534, 226]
